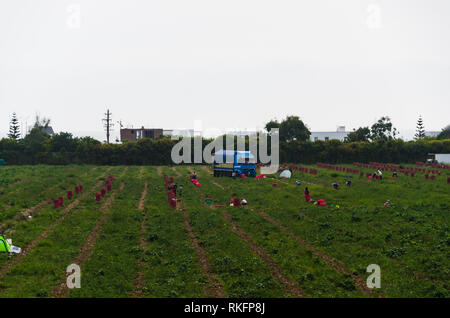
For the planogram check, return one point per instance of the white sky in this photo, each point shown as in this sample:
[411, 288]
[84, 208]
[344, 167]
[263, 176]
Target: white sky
[231, 64]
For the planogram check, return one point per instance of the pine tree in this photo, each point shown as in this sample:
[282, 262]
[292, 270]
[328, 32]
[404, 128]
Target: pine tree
[14, 130]
[420, 129]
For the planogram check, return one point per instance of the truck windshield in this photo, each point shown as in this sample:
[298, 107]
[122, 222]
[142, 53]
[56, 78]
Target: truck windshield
[245, 160]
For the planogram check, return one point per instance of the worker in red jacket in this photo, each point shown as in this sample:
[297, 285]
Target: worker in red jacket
[307, 195]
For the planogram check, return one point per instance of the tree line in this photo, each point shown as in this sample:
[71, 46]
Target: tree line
[377, 143]
[60, 149]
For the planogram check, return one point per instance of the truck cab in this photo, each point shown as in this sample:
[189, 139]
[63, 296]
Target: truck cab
[228, 161]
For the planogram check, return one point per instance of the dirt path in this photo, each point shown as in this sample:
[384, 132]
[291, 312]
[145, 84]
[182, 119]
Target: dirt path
[141, 172]
[218, 185]
[359, 282]
[140, 282]
[206, 169]
[159, 171]
[290, 286]
[46, 232]
[212, 288]
[86, 250]
[12, 184]
[209, 171]
[177, 173]
[142, 200]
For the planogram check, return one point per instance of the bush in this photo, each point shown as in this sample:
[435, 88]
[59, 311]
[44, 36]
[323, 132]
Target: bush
[63, 149]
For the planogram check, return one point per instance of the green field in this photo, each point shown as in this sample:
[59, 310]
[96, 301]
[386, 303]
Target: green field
[133, 244]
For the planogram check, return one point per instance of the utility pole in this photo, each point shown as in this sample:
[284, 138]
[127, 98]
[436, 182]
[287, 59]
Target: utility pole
[108, 124]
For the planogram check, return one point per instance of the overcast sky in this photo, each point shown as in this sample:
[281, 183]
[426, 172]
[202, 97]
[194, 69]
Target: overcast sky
[230, 64]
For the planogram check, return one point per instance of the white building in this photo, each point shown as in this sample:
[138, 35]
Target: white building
[442, 157]
[243, 133]
[179, 132]
[339, 134]
[432, 133]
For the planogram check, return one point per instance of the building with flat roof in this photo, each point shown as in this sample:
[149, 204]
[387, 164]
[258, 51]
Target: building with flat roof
[134, 134]
[178, 132]
[442, 158]
[339, 134]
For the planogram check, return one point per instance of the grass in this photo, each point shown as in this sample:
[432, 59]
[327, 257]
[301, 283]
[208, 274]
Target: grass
[409, 240]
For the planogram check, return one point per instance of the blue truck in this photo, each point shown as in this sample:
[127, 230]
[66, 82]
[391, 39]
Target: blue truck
[228, 161]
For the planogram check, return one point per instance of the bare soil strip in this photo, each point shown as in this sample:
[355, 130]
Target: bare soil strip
[201, 192]
[177, 173]
[141, 171]
[159, 171]
[218, 185]
[207, 169]
[204, 198]
[359, 282]
[33, 209]
[140, 282]
[290, 286]
[212, 288]
[12, 184]
[86, 250]
[44, 234]
[142, 200]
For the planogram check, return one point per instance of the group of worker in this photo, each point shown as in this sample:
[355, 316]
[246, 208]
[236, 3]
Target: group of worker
[335, 185]
[173, 188]
[379, 174]
[237, 202]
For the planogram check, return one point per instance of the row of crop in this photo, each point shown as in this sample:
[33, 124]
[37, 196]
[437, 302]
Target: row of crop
[241, 272]
[285, 207]
[31, 200]
[312, 274]
[50, 184]
[399, 168]
[11, 176]
[327, 176]
[402, 192]
[58, 236]
[171, 265]
[433, 165]
[407, 171]
[357, 198]
[415, 230]
[35, 179]
[112, 266]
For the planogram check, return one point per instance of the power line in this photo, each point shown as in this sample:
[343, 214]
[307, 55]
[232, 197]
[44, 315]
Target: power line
[108, 124]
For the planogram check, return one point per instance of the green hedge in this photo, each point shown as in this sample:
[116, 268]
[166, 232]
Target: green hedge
[63, 149]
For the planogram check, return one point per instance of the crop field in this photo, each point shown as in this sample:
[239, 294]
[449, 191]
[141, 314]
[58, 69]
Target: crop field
[133, 243]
